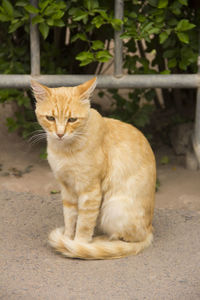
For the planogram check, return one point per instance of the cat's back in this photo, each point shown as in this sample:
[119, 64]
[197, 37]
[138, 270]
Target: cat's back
[124, 141]
[119, 132]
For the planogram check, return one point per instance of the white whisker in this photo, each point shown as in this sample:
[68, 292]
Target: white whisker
[38, 136]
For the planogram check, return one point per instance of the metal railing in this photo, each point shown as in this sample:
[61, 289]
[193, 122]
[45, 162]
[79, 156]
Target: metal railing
[117, 80]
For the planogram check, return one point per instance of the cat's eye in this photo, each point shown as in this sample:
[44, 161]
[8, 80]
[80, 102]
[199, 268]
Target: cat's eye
[71, 120]
[50, 118]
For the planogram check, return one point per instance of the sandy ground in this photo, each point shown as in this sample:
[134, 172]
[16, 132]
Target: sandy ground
[169, 269]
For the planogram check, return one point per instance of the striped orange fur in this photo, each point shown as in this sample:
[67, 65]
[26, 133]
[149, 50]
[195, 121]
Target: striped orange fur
[106, 170]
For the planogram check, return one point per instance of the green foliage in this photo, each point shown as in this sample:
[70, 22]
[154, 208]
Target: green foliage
[54, 192]
[160, 36]
[166, 27]
[164, 160]
[131, 110]
[173, 22]
[43, 154]
[85, 17]
[24, 122]
[23, 119]
[157, 184]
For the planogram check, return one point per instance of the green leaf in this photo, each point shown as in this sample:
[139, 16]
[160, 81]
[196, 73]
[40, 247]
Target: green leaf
[182, 65]
[172, 63]
[50, 10]
[50, 22]
[150, 95]
[85, 57]
[131, 45]
[37, 19]
[22, 3]
[141, 18]
[188, 55]
[103, 13]
[43, 154]
[59, 23]
[43, 4]
[176, 11]
[31, 9]
[160, 19]
[12, 124]
[14, 26]
[126, 35]
[97, 45]
[103, 56]
[165, 72]
[91, 4]
[154, 30]
[8, 7]
[58, 15]
[162, 3]
[169, 53]
[132, 15]
[80, 17]
[163, 36]
[142, 116]
[44, 29]
[183, 37]
[98, 21]
[184, 25]
[157, 184]
[172, 21]
[17, 14]
[116, 24]
[81, 36]
[61, 4]
[170, 42]
[4, 18]
[183, 2]
[78, 14]
[153, 3]
[164, 160]
[53, 192]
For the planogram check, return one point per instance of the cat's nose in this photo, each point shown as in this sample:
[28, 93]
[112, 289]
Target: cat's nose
[60, 135]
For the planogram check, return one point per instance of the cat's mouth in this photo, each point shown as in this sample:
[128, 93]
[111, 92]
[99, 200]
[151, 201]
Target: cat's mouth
[67, 138]
[64, 138]
[60, 138]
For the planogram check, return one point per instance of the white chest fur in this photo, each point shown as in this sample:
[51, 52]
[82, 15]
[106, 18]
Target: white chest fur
[70, 169]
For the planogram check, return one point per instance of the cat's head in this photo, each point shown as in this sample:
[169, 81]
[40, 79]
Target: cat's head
[64, 111]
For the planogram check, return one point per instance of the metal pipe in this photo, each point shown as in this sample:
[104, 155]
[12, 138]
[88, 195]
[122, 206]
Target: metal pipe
[105, 81]
[34, 45]
[118, 58]
[196, 136]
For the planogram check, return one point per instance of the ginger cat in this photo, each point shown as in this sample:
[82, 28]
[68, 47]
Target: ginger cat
[106, 170]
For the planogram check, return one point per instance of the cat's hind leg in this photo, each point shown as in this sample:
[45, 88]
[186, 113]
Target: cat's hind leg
[121, 218]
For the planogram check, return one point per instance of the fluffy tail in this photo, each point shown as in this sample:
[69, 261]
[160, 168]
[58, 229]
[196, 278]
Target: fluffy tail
[99, 248]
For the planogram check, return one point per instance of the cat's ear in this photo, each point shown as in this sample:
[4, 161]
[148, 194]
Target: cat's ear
[86, 89]
[40, 91]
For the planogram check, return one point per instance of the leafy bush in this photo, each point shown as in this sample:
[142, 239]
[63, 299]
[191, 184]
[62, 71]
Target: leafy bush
[160, 36]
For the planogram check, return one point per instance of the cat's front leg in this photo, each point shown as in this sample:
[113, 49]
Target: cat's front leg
[70, 211]
[88, 209]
